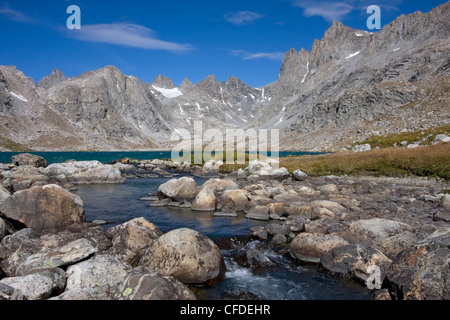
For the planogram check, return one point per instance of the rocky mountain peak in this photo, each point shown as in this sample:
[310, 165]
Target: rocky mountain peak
[210, 84]
[53, 78]
[186, 85]
[163, 82]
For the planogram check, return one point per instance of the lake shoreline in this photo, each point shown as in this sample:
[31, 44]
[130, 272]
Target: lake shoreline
[353, 227]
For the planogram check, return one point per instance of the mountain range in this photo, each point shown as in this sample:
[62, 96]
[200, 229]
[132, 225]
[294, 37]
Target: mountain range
[351, 85]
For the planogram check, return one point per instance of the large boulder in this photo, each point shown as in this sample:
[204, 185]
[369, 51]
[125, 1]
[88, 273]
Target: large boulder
[141, 284]
[4, 193]
[354, 261]
[179, 190]
[258, 213]
[85, 172]
[204, 201]
[185, 254]
[67, 255]
[134, 235]
[233, 200]
[24, 177]
[102, 274]
[63, 248]
[421, 272]
[299, 175]
[218, 186]
[377, 229]
[27, 159]
[46, 209]
[311, 247]
[257, 167]
[39, 285]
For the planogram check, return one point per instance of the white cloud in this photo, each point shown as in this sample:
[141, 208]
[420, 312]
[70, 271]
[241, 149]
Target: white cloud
[128, 35]
[329, 10]
[243, 17]
[259, 55]
[15, 15]
[337, 10]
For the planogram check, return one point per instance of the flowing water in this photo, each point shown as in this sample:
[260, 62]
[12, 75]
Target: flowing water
[287, 281]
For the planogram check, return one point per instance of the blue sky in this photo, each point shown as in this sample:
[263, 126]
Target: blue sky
[179, 39]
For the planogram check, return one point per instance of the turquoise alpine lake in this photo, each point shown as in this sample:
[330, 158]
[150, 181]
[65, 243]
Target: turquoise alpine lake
[110, 156]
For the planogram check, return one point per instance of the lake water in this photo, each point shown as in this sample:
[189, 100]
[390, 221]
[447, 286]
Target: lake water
[108, 157]
[287, 281]
[120, 203]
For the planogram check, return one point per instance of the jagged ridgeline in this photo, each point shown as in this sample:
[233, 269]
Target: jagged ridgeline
[351, 86]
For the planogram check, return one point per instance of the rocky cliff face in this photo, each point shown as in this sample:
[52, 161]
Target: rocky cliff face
[351, 85]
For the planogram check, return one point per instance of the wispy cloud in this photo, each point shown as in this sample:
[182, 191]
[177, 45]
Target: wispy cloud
[337, 10]
[15, 15]
[128, 35]
[259, 55]
[329, 10]
[243, 17]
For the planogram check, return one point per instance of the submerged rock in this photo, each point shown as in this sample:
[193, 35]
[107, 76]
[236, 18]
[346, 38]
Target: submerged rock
[179, 190]
[205, 201]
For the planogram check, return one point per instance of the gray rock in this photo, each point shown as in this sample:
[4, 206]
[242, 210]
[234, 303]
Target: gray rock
[39, 285]
[86, 294]
[146, 285]
[134, 235]
[354, 260]
[230, 214]
[57, 258]
[259, 232]
[27, 159]
[161, 203]
[179, 189]
[445, 202]
[102, 274]
[329, 189]
[311, 247]
[299, 175]
[204, 201]
[392, 246]
[45, 209]
[276, 228]
[258, 213]
[4, 193]
[421, 272]
[3, 229]
[377, 229]
[52, 79]
[233, 200]
[279, 239]
[362, 148]
[442, 216]
[184, 254]
[85, 172]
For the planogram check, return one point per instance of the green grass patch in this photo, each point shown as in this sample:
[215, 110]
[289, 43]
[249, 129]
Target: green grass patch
[426, 137]
[13, 146]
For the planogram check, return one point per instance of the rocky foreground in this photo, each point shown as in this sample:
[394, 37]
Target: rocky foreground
[349, 226]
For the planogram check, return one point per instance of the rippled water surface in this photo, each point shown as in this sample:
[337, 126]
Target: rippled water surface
[287, 281]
